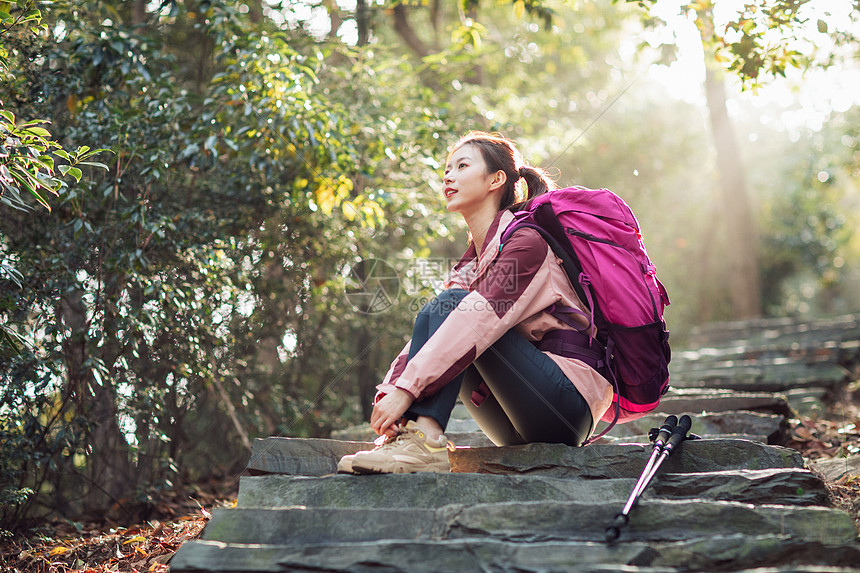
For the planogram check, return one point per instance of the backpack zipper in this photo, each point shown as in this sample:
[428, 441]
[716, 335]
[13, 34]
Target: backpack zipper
[590, 237]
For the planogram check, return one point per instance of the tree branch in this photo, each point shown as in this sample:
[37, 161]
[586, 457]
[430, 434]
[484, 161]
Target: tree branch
[407, 33]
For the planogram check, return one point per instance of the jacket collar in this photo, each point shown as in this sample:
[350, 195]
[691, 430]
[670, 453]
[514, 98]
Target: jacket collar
[471, 266]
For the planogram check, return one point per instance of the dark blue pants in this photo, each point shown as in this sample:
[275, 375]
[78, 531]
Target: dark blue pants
[530, 399]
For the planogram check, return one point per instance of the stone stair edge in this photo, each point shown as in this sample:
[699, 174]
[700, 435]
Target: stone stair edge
[786, 486]
[310, 456]
[646, 501]
[716, 554]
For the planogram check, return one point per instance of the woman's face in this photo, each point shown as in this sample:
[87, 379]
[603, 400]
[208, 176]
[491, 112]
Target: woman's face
[466, 183]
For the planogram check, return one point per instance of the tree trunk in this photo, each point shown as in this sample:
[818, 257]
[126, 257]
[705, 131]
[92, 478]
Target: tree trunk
[407, 33]
[334, 17]
[255, 10]
[108, 468]
[477, 77]
[362, 21]
[367, 380]
[436, 20]
[138, 12]
[107, 465]
[741, 269]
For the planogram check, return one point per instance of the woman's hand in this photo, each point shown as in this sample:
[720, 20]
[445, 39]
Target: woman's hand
[389, 410]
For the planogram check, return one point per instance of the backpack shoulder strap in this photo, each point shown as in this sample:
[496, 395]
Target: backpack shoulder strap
[545, 222]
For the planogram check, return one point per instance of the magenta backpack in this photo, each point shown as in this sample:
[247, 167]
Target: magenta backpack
[597, 237]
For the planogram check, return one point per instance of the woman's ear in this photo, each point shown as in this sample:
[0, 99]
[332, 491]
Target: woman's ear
[498, 181]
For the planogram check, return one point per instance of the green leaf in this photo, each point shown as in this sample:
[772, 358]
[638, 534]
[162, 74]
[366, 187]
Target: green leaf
[93, 164]
[5, 17]
[30, 187]
[73, 171]
[85, 152]
[39, 131]
[47, 162]
[31, 15]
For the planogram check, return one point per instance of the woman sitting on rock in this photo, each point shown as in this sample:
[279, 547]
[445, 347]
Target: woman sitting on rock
[489, 337]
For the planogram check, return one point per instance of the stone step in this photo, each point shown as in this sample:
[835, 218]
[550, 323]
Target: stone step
[837, 469]
[315, 457]
[758, 426]
[300, 456]
[773, 486]
[773, 330]
[532, 521]
[619, 461]
[695, 400]
[759, 377]
[716, 553]
[772, 427]
[788, 403]
[768, 427]
[455, 556]
[821, 350]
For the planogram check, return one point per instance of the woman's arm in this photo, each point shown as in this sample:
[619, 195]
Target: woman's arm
[517, 286]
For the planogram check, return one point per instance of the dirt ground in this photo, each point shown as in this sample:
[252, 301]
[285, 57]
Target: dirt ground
[64, 546]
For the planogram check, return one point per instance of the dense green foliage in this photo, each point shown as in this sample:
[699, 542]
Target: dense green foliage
[168, 292]
[190, 289]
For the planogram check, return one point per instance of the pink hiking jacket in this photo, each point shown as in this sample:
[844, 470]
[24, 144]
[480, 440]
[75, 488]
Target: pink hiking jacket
[507, 291]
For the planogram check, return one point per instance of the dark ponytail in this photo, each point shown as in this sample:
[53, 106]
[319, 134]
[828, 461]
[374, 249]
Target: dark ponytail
[537, 181]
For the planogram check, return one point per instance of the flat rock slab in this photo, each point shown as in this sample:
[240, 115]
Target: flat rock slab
[717, 553]
[773, 426]
[621, 461]
[773, 486]
[651, 520]
[694, 401]
[772, 330]
[762, 376]
[422, 490]
[780, 554]
[300, 456]
[789, 486]
[316, 457]
[540, 521]
[405, 556]
[837, 469]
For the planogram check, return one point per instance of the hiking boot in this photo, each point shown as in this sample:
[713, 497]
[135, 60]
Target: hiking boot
[409, 452]
[344, 466]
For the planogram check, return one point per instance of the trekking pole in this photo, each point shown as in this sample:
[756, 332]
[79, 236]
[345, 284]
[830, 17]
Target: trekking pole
[663, 434]
[668, 438]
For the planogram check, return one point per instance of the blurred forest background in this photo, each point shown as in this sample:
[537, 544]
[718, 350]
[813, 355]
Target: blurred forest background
[191, 192]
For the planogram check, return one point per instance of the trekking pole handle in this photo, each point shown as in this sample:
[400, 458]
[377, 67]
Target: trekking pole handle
[666, 431]
[679, 434]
